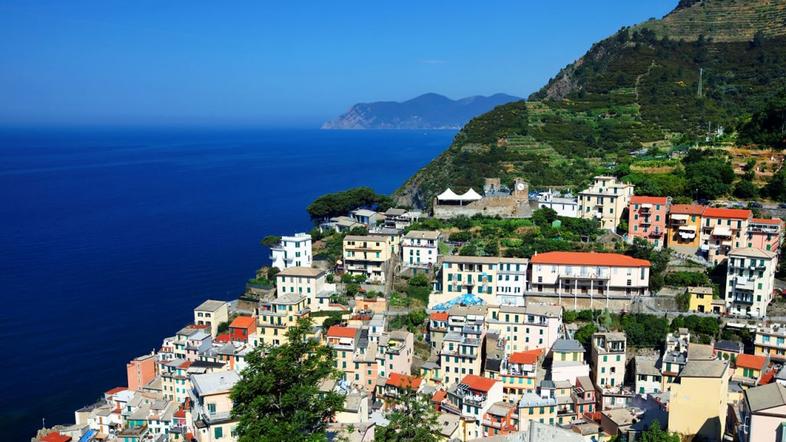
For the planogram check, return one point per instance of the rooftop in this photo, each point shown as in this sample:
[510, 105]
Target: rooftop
[719, 212]
[686, 209]
[399, 380]
[243, 322]
[308, 272]
[478, 383]
[210, 305]
[525, 357]
[423, 234]
[563, 345]
[700, 352]
[641, 199]
[753, 252]
[646, 366]
[337, 331]
[755, 362]
[704, 369]
[765, 397]
[588, 258]
[368, 238]
[214, 383]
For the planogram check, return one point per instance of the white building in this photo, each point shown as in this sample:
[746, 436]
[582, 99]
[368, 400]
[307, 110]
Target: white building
[564, 205]
[604, 200]
[495, 280]
[647, 375]
[525, 328]
[292, 251]
[308, 282]
[420, 248]
[750, 281]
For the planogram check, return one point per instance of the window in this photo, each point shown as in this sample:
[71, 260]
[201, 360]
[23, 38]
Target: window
[218, 432]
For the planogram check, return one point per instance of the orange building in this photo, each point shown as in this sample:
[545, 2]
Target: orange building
[243, 328]
[684, 228]
[647, 219]
[140, 371]
[723, 230]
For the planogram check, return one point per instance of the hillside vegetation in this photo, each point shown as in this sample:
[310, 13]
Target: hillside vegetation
[663, 84]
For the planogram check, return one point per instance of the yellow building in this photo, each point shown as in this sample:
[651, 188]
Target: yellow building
[533, 407]
[698, 400]
[274, 317]
[343, 342]
[367, 255]
[605, 200]
[683, 230]
[770, 341]
[699, 299]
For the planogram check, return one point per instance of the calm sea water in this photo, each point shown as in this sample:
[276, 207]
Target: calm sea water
[108, 239]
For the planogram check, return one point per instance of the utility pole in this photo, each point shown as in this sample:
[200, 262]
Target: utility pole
[701, 80]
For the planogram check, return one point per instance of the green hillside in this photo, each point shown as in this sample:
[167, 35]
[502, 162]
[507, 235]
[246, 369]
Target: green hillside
[663, 83]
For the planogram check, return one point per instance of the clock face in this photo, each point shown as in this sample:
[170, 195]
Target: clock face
[520, 186]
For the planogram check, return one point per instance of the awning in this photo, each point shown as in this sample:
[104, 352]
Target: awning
[470, 195]
[679, 217]
[448, 195]
[721, 231]
[688, 228]
[687, 235]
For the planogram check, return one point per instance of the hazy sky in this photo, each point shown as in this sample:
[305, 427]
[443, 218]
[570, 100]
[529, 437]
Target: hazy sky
[284, 63]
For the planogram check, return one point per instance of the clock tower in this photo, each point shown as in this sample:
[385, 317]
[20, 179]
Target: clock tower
[520, 189]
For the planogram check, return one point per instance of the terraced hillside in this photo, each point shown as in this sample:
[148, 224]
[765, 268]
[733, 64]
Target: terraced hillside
[659, 83]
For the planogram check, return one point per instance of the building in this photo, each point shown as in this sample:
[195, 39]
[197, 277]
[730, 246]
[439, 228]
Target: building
[277, 315]
[608, 359]
[367, 255]
[396, 218]
[140, 371]
[765, 234]
[494, 280]
[343, 341]
[521, 328]
[520, 373]
[534, 407]
[564, 205]
[605, 200]
[700, 300]
[567, 361]
[472, 398]
[750, 281]
[728, 350]
[647, 219]
[501, 418]
[461, 352]
[589, 275]
[698, 402]
[748, 369]
[722, 231]
[396, 385]
[647, 375]
[211, 406]
[763, 413]
[437, 327]
[684, 228]
[308, 282]
[292, 251]
[420, 248]
[770, 340]
[498, 200]
[368, 218]
[211, 313]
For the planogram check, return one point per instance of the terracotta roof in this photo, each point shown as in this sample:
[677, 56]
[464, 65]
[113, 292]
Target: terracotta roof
[55, 436]
[223, 337]
[750, 361]
[478, 383]
[439, 316]
[589, 258]
[774, 221]
[185, 364]
[116, 390]
[687, 209]
[641, 199]
[767, 378]
[342, 332]
[403, 381]
[242, 322]
[525, 357]
[439, 396]
[720, 212]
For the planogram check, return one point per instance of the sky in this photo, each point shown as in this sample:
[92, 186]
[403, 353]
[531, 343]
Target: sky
[287, 63]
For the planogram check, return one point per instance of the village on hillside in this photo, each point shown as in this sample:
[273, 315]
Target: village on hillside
[515, 315]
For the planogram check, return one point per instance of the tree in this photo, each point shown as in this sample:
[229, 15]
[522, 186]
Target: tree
[655, 434]
[584, 333]
[270, 241]
[776, 187]
[341, 203]
[745, 189]
[414, 419]
[544, 216]
[278, 396]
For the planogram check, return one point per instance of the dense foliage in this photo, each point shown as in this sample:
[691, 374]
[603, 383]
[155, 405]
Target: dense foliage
[278, 396]
[341, 203]
[413, 419]
[767, 126]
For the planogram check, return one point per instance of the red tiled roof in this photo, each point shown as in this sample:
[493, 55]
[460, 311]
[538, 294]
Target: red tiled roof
[223, 337]
[342, 332]
[588, 258]
[180, 412]
[775, 221]
[55, 436]
[478, 383]
[687, 209]
[439, 396]
[116, 390]
[720, 212]
[750, 361]
[525, 357]
[439, 316]
[641, 199]
[399, 380]
[243, 322]
[767, 378]
[185, 364]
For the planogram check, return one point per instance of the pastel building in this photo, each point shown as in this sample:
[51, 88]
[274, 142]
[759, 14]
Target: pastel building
[605, 200]
[495, 280]
[343, 341]
[722, 231]
[367, 255]
[211, 313]
[520, 328]
[700, 300]
[420, 248]
[277, 315]
[533, 407]
[684, 226]
[750, 281]
[292, 251]
[472, 398]
[765, 234]
[462, 348]
[211, 410]
[648, 378]
[770, 340]
[748, 369]
[567, 361]
[698, 402]
[308, 282]
[140, 371]
[589, 275]
[608, 359]
[763, 413]
[564, 205]
[647, 219]
[520, 373]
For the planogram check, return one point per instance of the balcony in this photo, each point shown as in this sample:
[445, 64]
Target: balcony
[655, 234]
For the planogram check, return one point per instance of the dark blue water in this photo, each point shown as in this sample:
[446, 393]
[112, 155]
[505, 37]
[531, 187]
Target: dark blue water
[108, 239]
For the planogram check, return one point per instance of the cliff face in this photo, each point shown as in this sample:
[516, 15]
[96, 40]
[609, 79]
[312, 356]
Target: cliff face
[429, 111]
[707, 63]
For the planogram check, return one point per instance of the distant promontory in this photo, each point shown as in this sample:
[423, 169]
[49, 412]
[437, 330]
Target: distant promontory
[428, 111]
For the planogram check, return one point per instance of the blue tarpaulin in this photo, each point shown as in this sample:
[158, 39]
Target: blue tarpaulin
[88, 436]
[465, 299]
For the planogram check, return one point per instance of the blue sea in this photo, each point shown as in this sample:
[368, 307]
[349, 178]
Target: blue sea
[109, 237]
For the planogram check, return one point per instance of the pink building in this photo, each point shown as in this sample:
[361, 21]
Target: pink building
[765, 234]
[140, 371]
[647, 219]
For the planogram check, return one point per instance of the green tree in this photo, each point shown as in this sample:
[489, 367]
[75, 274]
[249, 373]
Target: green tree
[655, 434]
[776, 187]
[278, 397]
[270, 241]
[413, 420]
[544, 216]
[745, 189]
[584, 333]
